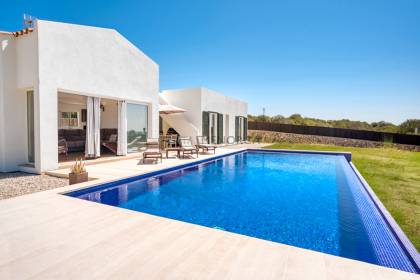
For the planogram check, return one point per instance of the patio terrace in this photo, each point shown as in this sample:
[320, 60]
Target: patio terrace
[48, 236]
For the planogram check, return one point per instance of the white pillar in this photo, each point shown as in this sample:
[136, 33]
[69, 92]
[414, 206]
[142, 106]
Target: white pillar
[153, 125]
[122, 128]
[46, 127]
[93, 127]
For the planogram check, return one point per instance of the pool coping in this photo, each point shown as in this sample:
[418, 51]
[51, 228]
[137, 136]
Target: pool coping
[347, 155]
[398, 233]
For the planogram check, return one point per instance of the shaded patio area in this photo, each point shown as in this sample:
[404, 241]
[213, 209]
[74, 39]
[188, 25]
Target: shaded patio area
[132, 164]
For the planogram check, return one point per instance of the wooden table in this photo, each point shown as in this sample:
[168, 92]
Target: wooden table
[173, 149]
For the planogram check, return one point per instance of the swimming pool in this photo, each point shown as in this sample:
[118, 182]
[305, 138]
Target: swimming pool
[308, 200]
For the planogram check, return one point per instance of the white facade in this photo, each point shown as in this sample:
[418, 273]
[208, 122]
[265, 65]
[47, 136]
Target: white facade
[196, 101]
[61, 65]
[67, 58]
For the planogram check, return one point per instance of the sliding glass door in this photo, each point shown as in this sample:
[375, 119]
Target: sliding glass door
[137, 120]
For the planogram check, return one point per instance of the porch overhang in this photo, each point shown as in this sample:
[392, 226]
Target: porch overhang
[167, 109]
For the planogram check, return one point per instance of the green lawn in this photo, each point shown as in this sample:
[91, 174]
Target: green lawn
[393, 174]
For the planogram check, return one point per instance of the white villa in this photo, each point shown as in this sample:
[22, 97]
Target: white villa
[92, 89]
[221, 118]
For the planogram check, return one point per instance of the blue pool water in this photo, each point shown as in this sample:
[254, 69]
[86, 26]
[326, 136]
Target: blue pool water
[305, 200]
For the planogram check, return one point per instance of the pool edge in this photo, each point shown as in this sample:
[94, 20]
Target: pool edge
[347, 155]
[399, 234]
[130, 178]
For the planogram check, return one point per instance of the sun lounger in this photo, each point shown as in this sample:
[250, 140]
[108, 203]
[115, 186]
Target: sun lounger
[186, 146]
[203, 143]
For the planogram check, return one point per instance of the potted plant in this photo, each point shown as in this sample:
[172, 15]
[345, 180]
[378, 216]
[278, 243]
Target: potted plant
[78, 173]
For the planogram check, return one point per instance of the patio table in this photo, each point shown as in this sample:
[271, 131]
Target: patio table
[173, 149]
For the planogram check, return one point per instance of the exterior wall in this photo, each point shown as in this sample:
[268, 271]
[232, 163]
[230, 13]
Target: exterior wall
[188, 123]
[217, 102]
[18, 72]
[188, 99]
[197, 100]
[109, 117]
[27, 61]
[3, 38]
[88, 61]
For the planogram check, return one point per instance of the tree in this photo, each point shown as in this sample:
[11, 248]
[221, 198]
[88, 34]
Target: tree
[297, 119]
[277, 118]
[409, 126]
[406, 127]
[262, 118]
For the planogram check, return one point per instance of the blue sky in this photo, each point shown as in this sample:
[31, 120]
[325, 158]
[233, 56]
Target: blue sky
[328, 59]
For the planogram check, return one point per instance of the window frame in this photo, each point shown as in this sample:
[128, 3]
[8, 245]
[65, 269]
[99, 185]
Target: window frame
[67, 122]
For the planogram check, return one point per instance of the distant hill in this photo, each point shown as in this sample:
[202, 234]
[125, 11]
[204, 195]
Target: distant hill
[407, 127]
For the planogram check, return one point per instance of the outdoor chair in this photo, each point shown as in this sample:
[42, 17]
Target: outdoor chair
[172, 140]
[203, 143]
[186, 146]
[152, 150]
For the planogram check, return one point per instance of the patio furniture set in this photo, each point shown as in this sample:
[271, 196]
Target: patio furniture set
[185, 147]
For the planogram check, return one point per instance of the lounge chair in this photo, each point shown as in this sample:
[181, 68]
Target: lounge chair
[203, 143]
[187, 147]
[152, 150]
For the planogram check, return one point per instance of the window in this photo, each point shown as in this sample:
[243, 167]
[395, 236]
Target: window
[69, 120]
[241, 128]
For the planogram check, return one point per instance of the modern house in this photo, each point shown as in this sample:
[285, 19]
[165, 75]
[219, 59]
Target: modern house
[223, 119]
[67, 88]
[75, 81]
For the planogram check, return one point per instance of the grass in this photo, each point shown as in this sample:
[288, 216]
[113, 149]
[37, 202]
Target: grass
[393, 174]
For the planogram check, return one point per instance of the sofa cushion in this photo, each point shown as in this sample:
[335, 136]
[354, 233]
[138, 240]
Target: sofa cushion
[76, 146]
[75, 139]
[113, 138]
